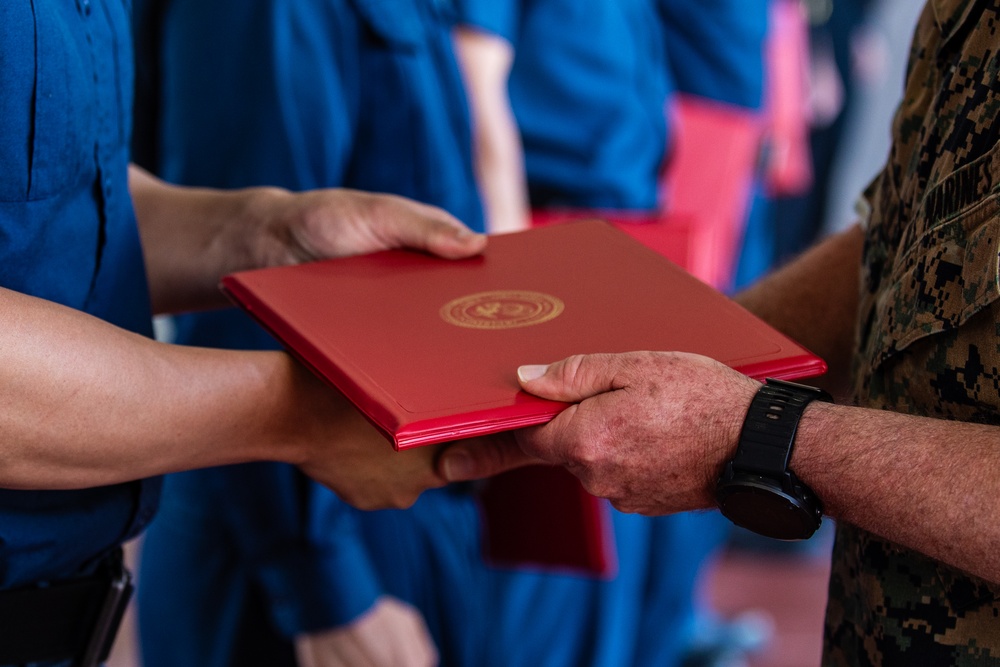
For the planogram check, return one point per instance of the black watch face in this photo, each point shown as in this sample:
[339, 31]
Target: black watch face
[768, 511]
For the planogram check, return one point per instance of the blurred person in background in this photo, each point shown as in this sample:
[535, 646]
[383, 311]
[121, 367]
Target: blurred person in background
[833, 30]
[256, 564]
[879, 50]
[568, 104]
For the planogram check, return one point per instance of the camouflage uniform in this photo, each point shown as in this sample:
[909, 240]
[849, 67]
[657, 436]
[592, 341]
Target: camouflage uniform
[929, 334]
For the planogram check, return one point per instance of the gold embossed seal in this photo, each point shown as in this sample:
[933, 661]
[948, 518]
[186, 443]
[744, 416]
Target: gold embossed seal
[502, 309]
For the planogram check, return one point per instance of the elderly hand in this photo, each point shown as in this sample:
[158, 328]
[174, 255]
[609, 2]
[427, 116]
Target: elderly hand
[390, 634]
[651, 431]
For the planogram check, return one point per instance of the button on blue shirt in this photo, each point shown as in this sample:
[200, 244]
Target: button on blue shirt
[68, 234]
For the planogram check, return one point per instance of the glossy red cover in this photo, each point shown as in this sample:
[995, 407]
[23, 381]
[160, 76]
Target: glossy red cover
[374, 325]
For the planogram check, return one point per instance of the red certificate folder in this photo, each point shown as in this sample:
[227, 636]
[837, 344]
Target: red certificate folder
[428, 350]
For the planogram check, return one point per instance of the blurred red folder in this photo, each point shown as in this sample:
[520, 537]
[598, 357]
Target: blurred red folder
[428, 348]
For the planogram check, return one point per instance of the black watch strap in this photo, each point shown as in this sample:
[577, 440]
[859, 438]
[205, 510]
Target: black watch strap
[757, 490]
[769, 429]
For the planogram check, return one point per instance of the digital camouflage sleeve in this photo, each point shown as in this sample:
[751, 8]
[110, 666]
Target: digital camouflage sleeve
[929, 334]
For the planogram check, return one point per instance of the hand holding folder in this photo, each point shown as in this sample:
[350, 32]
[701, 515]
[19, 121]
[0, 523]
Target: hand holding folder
[427, 349]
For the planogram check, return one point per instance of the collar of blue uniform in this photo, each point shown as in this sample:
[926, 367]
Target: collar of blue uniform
[951, 14]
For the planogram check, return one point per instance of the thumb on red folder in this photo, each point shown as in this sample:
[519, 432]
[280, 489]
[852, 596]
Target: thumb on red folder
[569, 380]
[572, 379]
[647, 430]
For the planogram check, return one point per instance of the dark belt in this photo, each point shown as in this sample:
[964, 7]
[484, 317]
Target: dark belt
[74, 620]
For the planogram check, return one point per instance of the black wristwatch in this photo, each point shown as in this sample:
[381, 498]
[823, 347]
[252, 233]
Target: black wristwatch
[757, 490]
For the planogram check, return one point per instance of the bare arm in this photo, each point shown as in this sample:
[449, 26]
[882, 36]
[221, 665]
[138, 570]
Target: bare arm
[192, 237]
[83, 403]
[485, 61]
[928, 484]
[814, 300]
[86, 404]
[653, 430]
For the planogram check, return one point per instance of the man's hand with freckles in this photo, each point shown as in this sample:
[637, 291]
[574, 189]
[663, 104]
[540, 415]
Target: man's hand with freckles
[650, 431]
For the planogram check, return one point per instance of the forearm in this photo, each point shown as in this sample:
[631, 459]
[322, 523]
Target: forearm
[501, 178]
[924, 483]
[192, 237]
[814, 300]
[927, 484]
[189, 239]
[87, 404]
[485, 61]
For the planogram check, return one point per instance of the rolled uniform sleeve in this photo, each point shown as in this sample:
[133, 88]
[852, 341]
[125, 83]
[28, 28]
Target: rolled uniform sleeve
[497, 18]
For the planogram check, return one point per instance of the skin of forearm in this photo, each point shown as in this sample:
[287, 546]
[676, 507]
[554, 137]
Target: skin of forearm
[814, 300]
[500, 173]
[188, 243]
[485, 61]
[87, 404]
[927, 484]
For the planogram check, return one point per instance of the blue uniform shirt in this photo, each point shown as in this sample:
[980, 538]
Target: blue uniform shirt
[714, 48]
[68, 234]
[590, 80]
[356, 93]
[587, 88]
